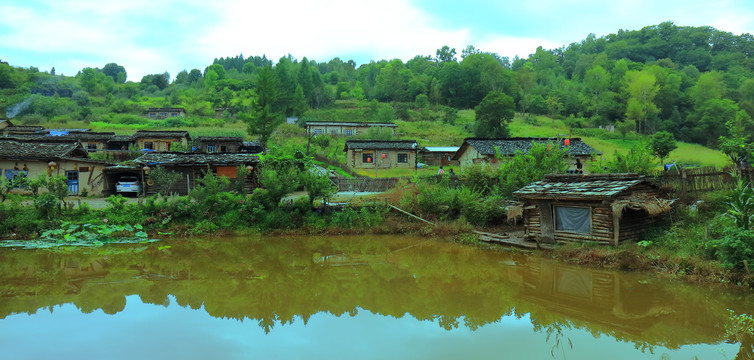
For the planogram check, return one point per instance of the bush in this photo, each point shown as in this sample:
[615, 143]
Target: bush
[484, 212]
[735, 249]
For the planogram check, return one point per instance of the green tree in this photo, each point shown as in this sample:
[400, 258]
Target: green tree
[642, 88]
[164, 179]
[597, 80]
[625, 127]
[116, 72]
[317, 185]
[662, 143]
[261, 118]
[493, 115]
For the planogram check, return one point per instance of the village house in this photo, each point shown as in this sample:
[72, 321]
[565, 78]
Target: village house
[215, 144]
[191, 166]
[476, 150]
[604, 208]
[34, 158]
[380, 154]
[161, 140]
[438, 155]
[164, 113]
[341, 129]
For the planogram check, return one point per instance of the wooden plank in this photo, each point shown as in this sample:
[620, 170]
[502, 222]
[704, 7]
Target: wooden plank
[547, 223]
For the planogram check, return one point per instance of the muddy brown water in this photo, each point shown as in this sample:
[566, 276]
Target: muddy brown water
[364, 297]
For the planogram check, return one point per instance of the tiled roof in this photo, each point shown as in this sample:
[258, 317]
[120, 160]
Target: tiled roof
[154, 133]
[32, 150]
[121, 138]
[510, 146]
[597, 186]
[219, 138]
[381, 145]
[155, 158]
[67, 136]
[165, 109]
[24, 128]
[356, 124]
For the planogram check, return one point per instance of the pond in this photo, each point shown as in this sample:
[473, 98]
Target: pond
[364, 297]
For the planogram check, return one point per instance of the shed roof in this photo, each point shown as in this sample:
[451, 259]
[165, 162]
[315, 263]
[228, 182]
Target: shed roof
[443, 149]
[594, 186]
[173, 158]
[381, 145]
[509, 146]
[34, 150]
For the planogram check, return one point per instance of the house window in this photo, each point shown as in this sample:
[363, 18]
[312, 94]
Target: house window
[10, 174]
[367, 158]
[403, 158]
[223, 148]
[211, 148]
[91, 147]
[148, 145]
[573, 219]
[173, 114]
[348, 132]
[152, 115]
[334, 132]
[317, 131]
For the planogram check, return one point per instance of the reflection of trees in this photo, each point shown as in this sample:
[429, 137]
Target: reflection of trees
[272, 281]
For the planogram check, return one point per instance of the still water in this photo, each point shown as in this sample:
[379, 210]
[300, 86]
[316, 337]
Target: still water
[365, 297]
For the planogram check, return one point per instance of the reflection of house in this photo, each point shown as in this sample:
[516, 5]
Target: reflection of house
[605, 208]
[345, 128]
[373, 154]
[161, 140]
[163, 113]
[474, 150]
[193, 165]
[70, 159]
[221, 144]
[439, 155]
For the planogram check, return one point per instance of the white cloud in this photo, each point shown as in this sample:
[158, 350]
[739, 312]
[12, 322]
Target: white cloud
[149, 36]
[383, 29]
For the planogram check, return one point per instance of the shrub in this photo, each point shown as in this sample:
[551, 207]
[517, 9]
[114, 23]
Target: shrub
[735, 249]
[485, 211]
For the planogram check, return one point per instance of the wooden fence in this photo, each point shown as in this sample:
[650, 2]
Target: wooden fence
[365, 184]
[698, 179]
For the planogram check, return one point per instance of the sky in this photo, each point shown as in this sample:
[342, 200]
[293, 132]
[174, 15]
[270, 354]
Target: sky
[156, 36]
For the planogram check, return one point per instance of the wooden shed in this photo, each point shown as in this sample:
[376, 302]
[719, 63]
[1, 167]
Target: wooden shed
[605, 208]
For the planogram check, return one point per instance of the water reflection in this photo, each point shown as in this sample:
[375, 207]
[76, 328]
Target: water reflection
[273, 281]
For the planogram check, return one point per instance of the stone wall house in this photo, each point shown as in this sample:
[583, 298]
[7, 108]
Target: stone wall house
[476, 150]
[379, 154]
[69, 159]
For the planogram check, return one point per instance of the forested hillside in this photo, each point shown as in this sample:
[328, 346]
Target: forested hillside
[689, 81]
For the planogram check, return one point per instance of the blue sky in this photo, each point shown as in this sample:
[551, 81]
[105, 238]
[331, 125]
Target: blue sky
[154, 36]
